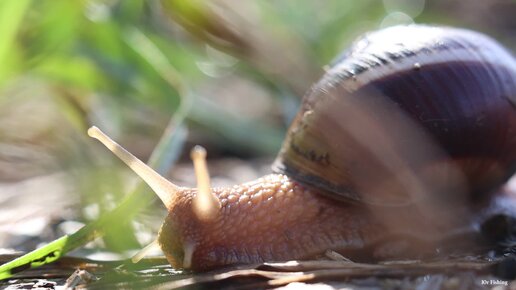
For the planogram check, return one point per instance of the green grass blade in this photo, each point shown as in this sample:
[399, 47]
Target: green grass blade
[11, 16]
[36, 258]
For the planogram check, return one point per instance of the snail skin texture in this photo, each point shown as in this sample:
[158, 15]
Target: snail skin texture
[404, 140]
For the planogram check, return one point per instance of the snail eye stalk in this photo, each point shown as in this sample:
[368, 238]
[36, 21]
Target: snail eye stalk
[205, 204]
[165, 189]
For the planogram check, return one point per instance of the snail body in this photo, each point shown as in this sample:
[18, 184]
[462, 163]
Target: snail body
[275, 218]
[408, 133]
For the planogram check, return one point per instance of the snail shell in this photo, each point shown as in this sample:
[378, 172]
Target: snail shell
[450, 92]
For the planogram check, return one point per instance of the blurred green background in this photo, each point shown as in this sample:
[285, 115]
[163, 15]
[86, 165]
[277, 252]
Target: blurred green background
[231, 73]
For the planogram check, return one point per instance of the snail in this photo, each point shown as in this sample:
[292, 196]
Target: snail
[406, 137]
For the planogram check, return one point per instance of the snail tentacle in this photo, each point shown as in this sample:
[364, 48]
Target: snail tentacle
[205, 204]
[165, 189]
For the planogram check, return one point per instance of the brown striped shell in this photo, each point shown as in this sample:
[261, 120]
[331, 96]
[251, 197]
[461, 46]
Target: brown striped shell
[407, 112]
